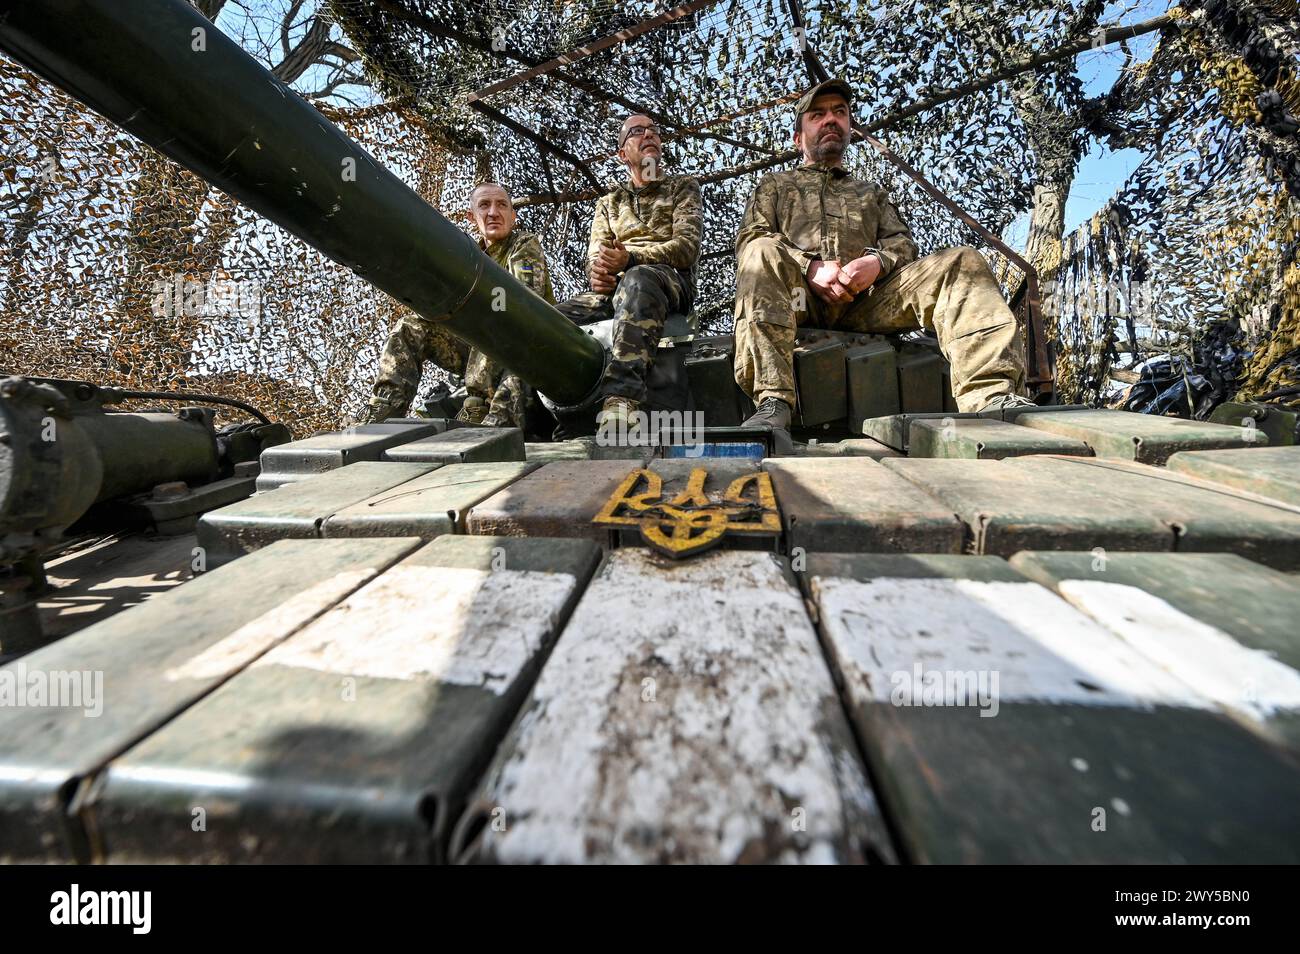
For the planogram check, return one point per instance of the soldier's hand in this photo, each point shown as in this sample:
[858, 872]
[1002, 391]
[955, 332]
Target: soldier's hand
[861, 273]
[824, 278]
[602, 281]
[612, 259]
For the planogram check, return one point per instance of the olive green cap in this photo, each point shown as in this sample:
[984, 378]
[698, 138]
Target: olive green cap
[832, 85]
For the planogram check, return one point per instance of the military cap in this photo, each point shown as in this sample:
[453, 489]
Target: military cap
[832, 85]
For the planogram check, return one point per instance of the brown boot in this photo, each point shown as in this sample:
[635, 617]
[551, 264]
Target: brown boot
[618, 421]
[473, 410]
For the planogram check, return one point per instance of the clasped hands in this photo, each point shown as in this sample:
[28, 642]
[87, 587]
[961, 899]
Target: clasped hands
[610, 260]
[837, 284]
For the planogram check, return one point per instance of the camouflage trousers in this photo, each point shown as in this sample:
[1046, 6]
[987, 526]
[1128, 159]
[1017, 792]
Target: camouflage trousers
[951, 294]
[501, 394]
[642, 300]
[412, 342]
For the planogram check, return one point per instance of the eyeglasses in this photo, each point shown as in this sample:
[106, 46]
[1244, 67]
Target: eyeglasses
[636, 132]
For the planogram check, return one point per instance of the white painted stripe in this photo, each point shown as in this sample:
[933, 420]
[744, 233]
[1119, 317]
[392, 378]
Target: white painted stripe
[255, 637]
[449, 624]
[685, 714]
[1249, 681]
[1041, 648]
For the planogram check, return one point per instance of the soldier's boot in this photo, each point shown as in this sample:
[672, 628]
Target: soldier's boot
[473, 410]
[775, 414]
[1007, 402]
[373, 414]
[619, 422]
[378, 409]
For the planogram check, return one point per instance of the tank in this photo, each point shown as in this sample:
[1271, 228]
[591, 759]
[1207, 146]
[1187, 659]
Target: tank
[229, 120]
[1033, 635]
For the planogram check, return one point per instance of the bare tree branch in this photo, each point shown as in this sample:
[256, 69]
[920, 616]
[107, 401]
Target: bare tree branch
[341, 78]
[307, 53]
[286, 25]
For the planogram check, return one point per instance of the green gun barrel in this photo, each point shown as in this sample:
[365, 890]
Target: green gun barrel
[167, 75]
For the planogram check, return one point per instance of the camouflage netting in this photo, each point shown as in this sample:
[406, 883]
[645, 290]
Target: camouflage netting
[122, 268]
[1194, 257]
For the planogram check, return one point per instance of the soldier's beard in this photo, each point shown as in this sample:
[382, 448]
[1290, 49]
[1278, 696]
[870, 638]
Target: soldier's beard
[828, 150]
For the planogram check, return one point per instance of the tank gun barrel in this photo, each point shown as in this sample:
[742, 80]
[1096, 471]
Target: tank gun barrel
[168, 76]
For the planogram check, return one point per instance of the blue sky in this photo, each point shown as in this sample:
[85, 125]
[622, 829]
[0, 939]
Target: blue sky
[1101, 172]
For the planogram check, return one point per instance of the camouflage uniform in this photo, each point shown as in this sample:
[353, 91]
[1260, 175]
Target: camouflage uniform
[660, 225]
[412, 342]
[502, 392]
[416, 340]
[821, 212]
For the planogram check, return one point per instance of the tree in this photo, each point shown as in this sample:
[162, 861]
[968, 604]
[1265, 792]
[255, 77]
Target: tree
[179, 225]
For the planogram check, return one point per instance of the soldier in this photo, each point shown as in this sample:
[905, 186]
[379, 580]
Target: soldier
[498, 397]
[818, 247]
[414, 341]
[645, 241]
[495, 397]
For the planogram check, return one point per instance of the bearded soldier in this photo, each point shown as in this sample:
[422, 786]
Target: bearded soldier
[645, 242]
[818, 247]
[495, 396]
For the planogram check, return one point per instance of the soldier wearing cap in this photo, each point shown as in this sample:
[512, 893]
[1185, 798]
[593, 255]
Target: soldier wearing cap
[495, 396]
[818, 247]
[641, 259]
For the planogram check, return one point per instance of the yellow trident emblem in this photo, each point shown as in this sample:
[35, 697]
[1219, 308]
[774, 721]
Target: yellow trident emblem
[692, 521]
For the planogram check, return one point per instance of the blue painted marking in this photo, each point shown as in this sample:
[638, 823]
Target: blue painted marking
[747, 450]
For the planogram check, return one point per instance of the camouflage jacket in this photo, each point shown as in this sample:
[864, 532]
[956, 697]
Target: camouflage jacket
[659, 223]
[823, 212]
[520, 253]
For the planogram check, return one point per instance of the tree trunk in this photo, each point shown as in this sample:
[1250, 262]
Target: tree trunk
[167, 242]
[1052, 134]
[1047, 227]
